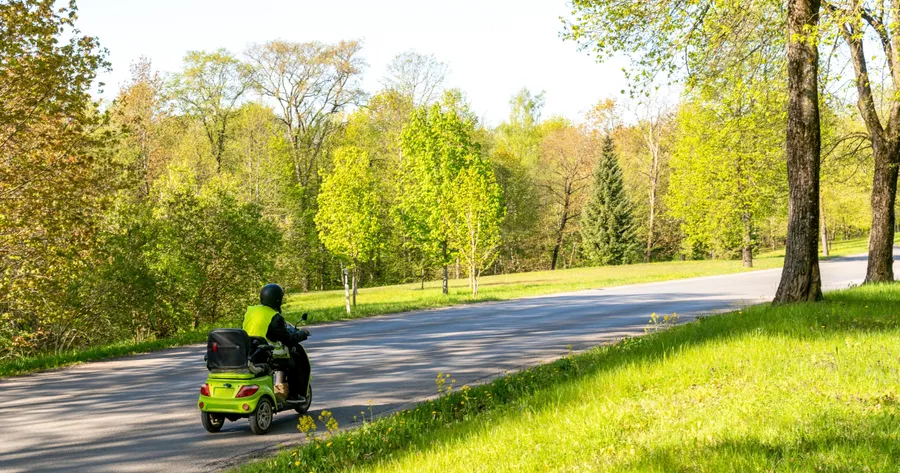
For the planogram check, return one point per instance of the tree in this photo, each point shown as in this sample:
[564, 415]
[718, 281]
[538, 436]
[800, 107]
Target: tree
[416, 76]
[516, 153]
[51, 184]
[800, 279]
[476, 210]
[377, 128]
[655, 131]
[701, 40]
[437, 143]
[311, 85]
[854, 21]
[209, 89]
[728, 171]
[607, 230]
[143, 121]
[729, 163]
[347, 219]
[567, 155]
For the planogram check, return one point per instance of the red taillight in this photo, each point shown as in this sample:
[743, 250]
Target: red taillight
[215, 347]
[246, 391]
[204, 390]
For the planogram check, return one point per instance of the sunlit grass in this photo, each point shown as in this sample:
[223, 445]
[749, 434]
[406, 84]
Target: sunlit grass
[330, 305]
[807, 387]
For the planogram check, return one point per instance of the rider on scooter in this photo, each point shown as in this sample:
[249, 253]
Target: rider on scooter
[265, 320]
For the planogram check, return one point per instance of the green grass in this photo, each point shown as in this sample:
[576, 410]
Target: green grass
[21, 366]
[328, 306]
[806, 387]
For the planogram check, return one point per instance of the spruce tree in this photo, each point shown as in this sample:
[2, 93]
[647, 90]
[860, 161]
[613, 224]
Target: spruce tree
[607, 230]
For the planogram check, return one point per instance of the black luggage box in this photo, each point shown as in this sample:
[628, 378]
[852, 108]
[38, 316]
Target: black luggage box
[227, 349]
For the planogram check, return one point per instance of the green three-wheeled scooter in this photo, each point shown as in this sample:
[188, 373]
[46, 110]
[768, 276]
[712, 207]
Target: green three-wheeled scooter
[246, 376]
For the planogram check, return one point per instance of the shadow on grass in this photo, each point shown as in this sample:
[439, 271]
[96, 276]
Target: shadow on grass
[827, 444]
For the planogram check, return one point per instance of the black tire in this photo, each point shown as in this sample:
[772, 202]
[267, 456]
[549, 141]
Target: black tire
[262, 417]
[305, 407]
[212, 422]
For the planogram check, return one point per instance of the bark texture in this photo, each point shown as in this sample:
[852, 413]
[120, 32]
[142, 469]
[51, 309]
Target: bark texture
[884, 193]
[882, 134]
[800, 279]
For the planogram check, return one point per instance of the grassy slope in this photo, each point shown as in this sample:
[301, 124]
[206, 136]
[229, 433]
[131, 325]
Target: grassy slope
[329, 305]
[809, 387]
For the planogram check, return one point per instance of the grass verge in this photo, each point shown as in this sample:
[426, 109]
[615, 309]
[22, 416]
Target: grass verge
[326, 306]
[806, 387]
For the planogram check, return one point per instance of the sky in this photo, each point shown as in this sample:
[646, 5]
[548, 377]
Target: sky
[493, 47]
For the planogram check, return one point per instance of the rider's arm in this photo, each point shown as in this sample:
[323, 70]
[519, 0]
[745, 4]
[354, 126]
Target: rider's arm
[279, 332]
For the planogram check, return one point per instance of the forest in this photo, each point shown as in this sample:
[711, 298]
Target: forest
[165, 209]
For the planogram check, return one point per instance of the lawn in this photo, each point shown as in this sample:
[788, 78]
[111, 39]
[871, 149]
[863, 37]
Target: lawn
[806, 387]
[328, 306]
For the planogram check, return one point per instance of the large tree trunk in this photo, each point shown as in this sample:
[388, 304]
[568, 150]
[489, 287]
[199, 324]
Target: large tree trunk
[800, 279]
[884, 193]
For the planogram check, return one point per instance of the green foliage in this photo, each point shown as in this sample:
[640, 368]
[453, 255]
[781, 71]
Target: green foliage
[52, 184]
[516, 153]
[607, 229]
[208, 90]
[188, 259]
[729, 172]
[437, 143]
[348, 220]
[695, 38]
[476, 210]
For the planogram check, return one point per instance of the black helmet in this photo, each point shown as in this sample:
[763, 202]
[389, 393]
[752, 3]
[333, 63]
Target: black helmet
[271, 295]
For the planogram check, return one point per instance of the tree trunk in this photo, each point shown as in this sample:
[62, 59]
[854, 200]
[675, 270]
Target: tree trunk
[747, 246]
[559, 234]
[445, 286]
[824, 227]
[474, 281]
[355, 282]
[346, 287]
[649, 253]
[884, 193]
[800, 278]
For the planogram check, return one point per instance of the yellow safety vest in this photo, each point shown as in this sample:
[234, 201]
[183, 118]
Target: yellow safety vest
[257, 320]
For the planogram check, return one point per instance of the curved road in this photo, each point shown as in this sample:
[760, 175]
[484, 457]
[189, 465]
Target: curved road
[138, 413]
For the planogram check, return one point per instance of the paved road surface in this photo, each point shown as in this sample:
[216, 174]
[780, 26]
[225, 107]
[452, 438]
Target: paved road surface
[138, 413]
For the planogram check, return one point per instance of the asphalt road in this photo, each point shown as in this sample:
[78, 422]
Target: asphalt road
[139, 414]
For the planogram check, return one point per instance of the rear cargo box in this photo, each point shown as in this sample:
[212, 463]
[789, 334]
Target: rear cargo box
[227, 350]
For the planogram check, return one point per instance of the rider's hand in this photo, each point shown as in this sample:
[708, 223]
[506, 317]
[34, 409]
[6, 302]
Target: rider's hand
[305, 333]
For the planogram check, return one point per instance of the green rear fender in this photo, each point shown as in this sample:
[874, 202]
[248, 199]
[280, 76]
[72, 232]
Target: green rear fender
[224, 388]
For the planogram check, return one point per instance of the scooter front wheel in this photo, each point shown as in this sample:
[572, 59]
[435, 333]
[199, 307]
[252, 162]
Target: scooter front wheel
[212, 422]
[261, 419]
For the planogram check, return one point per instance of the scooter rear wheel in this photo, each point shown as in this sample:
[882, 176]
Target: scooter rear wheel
[212, 422]
[261, 419]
